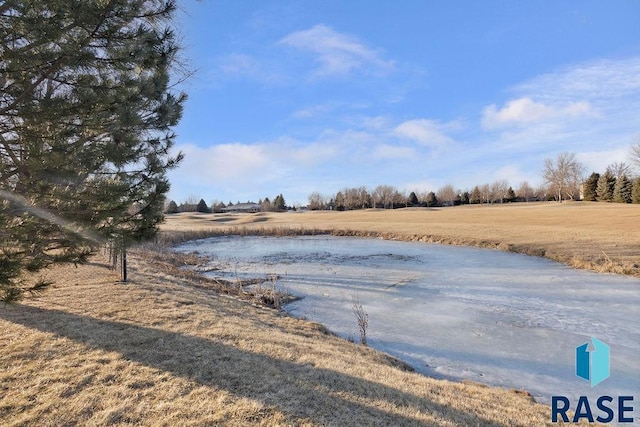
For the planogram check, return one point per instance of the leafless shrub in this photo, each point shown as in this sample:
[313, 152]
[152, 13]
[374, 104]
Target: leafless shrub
[271, 296]
[362, 319]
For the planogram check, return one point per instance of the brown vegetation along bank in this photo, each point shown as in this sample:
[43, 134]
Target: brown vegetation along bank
[167, 349]
[596, 236]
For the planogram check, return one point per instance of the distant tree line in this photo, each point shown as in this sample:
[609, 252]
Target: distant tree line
[389, 197]
[190, 205]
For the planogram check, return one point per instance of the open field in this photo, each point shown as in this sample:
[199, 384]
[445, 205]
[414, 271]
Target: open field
[597, 236]
[165, 350]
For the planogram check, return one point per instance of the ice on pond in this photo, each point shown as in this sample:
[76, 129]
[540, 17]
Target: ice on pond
[454, 312]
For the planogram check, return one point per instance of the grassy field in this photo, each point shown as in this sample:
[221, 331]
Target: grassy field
[170, 348]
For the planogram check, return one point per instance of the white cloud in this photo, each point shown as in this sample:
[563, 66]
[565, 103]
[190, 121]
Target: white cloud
[309, 155]
[585, 104]
[426, 132]
[349, 137]
[602, 79]
[387, 151]
[377, 123]
[589, 109]
[239, 65]
[224, 161]
[237, 164]
[312, 111]
[597, 161]
[513, 175]
[420, 187]
[336, 53]
[236, 63]
[523, 111]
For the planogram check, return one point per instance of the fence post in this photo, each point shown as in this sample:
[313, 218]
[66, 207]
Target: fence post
[123, 259]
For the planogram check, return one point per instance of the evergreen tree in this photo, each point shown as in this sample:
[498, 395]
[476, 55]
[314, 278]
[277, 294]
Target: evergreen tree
[364, 198]
[217, 208]
[635, 192]
[431, 200]
[590, 187]
[279, 204]
[340, 201]
[606, 184]
[172, 208]
[464, 198]
[86, 113]
[413, 199]
[622, 190]
[202, 207]
[476, 196]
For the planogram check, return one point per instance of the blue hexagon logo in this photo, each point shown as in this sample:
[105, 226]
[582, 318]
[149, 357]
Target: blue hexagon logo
[592, 364]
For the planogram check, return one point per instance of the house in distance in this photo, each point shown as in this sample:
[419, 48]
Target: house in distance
[243, 208]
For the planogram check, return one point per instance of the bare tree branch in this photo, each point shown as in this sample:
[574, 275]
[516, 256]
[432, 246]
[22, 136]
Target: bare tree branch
[634, 153]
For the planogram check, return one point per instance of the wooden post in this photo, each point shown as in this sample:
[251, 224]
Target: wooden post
[123, 259]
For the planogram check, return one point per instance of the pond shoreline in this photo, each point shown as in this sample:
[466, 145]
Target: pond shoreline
[605, 265]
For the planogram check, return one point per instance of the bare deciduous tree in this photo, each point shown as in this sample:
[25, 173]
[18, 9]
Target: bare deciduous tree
[351, 198]
[499, 191]
[485, 190]
[541, 192]
[618, 170]
[398, 198]
[525, 191]
[634, 153]
[446, 195]
[317, 201]
[564, 175]
[383, 196]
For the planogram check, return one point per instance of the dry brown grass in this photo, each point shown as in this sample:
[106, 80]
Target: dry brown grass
[598, 236]
[171, 348]
[164, 350]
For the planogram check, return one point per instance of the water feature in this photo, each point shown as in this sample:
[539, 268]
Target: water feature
[453, 312]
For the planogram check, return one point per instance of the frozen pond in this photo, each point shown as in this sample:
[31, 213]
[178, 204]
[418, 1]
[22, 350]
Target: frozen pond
[454, 312]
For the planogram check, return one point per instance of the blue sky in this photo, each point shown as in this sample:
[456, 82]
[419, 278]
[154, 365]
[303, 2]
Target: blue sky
[298, 96]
